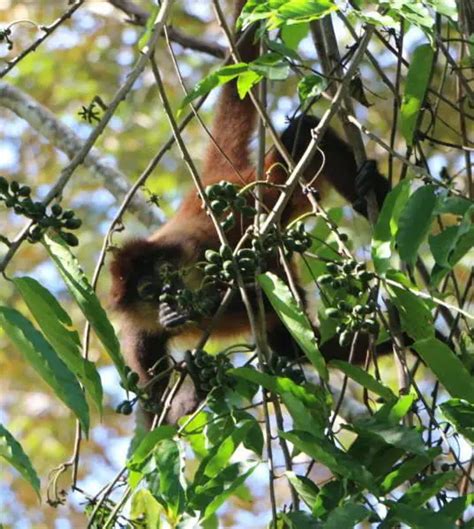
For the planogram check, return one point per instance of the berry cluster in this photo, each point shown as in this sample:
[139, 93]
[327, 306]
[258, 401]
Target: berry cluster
[282, 367]
[225, 199]
[210, 371]
[296, 239]
[350, 278]
[18, 198]
[220, 268]
[130, 384]
[348, 275]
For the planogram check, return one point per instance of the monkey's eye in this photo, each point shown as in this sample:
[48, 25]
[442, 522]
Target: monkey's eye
[147, 289]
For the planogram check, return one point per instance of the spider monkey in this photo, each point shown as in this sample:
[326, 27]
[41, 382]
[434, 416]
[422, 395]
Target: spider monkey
[153, 329]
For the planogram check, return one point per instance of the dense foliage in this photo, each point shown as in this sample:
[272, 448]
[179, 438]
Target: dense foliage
[334, 445]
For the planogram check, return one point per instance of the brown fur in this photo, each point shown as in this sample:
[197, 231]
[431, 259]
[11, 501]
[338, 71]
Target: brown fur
[185, 237]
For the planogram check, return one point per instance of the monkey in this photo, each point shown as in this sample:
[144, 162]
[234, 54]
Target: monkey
[151, 328]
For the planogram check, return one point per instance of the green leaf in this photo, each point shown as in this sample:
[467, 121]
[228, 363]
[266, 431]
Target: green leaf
[447, 367]
[415, 222]
[12, 451]
[407, 470]
[329, 497]
[347, 515]
[148, 443]
[272, 66]
[86, 299]
[387, 225]
[213, 80]
[311, 86]
[461, 415]
[294, 34]
[307, 490]
[297, 11]
[415, 316]
[294, 319]
[220, 498]
[416, 86]
[416, 518]
[444, 244]
[309, 406]
[364, 379]
[246, 81]
[339, 462]
[56, 326]
[450, 246]
[419, 493]
[219, 459]
[407, 439]
[457, 506]
[145, 509]
[297, 520]
[168, 483]
[453, 204]
[282, 13]
[42, 357]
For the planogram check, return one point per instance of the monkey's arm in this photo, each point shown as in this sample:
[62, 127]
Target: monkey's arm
[339, 168]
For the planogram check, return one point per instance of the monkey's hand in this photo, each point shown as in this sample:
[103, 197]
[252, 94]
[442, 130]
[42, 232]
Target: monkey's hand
[369, 179]
[170, 317]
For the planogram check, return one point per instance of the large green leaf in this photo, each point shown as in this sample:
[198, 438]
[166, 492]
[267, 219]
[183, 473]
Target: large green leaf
[447, 367]
[12, 451]
[56, 326]
[386, 227]
[42, 357]
[415, 222]
[294, 319]
[415, 89]
[85, 297]
[365, 379]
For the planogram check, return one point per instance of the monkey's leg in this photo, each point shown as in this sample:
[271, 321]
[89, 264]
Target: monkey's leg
[369, 179]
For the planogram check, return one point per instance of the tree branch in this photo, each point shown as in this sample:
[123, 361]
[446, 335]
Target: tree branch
[63, 138]
[139, 16]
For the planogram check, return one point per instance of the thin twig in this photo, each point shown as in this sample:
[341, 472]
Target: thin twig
[79, 158]
[47, 32]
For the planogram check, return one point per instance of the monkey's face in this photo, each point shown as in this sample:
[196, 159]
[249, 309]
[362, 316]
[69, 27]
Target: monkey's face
[141, 271]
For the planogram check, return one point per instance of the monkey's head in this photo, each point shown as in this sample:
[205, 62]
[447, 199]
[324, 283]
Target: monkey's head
[140, 270]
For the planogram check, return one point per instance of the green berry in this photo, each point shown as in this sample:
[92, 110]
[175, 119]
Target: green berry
[68, 214]
[70, 238]
[56, 210]
[14, 186]
[3, 184]
[218, 206]
[73, 224]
